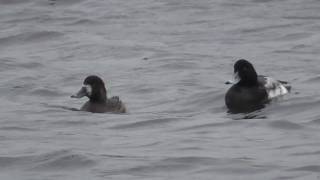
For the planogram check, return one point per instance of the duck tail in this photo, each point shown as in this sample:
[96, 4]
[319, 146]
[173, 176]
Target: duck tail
[286, 84]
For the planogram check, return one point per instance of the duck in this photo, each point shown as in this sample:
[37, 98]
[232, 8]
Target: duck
[94, 88]
[251, 91]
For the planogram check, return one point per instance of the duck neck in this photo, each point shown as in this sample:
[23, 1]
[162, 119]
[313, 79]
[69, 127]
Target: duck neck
[98, 100]
[248, 77]
[252, 81]
[99, 97]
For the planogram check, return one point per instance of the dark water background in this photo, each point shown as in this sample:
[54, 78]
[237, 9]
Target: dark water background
[168, 61]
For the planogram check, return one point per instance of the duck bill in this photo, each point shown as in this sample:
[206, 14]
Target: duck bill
[81, 93]
[235, 79]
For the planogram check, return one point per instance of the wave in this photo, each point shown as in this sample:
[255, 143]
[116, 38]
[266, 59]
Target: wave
[15, 128]
[282, 124]
[146, 123]
[196, 166]
[11, 2]
[11, 64]
[59, 2]
[46, 92]
[57, 160]
[311, 168]
[29, 37]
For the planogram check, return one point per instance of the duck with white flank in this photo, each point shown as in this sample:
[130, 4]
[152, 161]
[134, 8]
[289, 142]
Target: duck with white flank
[251, 91]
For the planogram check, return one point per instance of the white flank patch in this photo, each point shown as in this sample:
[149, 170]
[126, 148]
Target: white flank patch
[274, 88]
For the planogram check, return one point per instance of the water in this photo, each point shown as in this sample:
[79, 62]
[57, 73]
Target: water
[168, 61]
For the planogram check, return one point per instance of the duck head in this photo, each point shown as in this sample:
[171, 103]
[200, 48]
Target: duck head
[244, 73]
[93, 87]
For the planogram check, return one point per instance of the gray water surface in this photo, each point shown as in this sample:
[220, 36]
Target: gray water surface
[168, 61]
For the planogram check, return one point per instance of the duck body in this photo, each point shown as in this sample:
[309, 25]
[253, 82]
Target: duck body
[94, 88]
[111, 105]
[252, 92]
[245, 99]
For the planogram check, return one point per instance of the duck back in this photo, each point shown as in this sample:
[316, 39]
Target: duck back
[111, 105]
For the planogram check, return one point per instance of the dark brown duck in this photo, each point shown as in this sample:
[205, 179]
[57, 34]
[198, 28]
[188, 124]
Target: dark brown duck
[94, 88]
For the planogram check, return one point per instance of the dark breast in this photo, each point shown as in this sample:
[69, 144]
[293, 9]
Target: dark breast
[245, 99]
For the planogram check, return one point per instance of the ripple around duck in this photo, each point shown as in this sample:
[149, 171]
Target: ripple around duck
[295, 106]
[282, 124]
[58, 160]
[211, 125]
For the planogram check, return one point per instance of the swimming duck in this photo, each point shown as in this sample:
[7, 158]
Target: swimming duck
[252, 91]
[93, 87]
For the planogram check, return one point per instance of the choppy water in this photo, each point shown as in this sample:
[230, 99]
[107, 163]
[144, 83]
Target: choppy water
[168, 61]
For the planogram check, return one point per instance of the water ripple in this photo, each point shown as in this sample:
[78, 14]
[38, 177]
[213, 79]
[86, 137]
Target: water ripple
[58, 160]
[29, 37]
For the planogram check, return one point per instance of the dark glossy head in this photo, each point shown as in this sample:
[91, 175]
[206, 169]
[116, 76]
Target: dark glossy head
[93, 87]
[245, 73]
